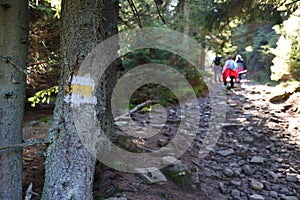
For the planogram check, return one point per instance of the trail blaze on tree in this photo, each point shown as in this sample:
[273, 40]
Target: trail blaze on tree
[69, 165]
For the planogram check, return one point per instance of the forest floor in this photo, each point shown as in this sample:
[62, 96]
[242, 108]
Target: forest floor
[257, 155]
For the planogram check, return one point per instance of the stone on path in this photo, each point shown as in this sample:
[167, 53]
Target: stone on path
[248, 170]
[222, 187]
[256, 197]
[284, 197]
[228, 172]
[170, 160]
[152, 175]
[226, 152]
[257, 160]
[291, 177]
[235, 193]
[162, 142]
[256, 185]
[273, 174]
[273, 194]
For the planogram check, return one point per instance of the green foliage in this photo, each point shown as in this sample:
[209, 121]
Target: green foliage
[43, 96]
[286, 63]
[254, 42]
[50, 7]
[159, 92]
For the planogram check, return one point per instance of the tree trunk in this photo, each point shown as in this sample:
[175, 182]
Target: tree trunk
[69, 165]
[13, 52]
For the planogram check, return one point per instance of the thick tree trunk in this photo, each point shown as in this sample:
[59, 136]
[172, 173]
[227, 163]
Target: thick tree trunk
[13, 52]
[69, 165]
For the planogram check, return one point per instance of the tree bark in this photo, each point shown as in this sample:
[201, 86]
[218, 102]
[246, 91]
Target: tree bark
[69, 165]
[13, 52]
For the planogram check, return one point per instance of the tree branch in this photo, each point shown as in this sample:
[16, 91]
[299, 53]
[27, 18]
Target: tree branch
[146, 103]
[26, 143]
[159, 14]
[135, 13]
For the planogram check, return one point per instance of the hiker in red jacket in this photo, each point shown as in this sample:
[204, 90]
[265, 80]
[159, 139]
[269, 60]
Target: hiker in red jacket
[229, 70]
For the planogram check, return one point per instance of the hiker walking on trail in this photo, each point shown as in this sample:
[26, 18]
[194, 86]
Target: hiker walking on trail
[216, 65]
[229, 70]
[240, 66]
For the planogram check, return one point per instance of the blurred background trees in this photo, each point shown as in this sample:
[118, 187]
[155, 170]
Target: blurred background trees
[265, 33]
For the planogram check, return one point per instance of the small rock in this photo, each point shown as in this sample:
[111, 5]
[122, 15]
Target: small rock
[291, 147]
[284, 190]
[227, 152]
[273, 194]
[234, 165]
[276, 188]
[178, 168]
[228, 172]
[162, 142]
[152, 175]
[284, 197]
[235, 193]
[222, 187]
[236, 182]
[248, 170]
[273, 174]
[250, 128]
[256, 197]
[256, 185]
[249, 139]
[195, 177]
[273, 139]
[170, 160]
[257, 160]
[291, 177]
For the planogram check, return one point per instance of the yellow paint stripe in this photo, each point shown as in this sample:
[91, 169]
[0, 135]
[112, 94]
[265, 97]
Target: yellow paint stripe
[84, 90]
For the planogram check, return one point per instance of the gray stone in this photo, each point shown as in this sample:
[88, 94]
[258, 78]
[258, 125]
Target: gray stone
[276, 188]
[257, 160]
[248, 170]
[226, 152]
[256, 197]
[116, 198]
[284, 190]
[162, 142]
[273, 174]
[249, 139]
[291, 177]
[284, 197]
[273, 139]
[228, 172]
[250, 128]
[236, 182]
[256, 185]
[291, 198]
[168, 160]
[195, 177]
[178, 168]
[273, 194]
[222, 187]
[235, 193]
[291, 147]
[151, 175]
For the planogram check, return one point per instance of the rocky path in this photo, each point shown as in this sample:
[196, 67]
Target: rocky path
[259, 158]
[256, 157]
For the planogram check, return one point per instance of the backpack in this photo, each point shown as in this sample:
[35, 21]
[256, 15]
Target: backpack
[217, 60]
[231, 66]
